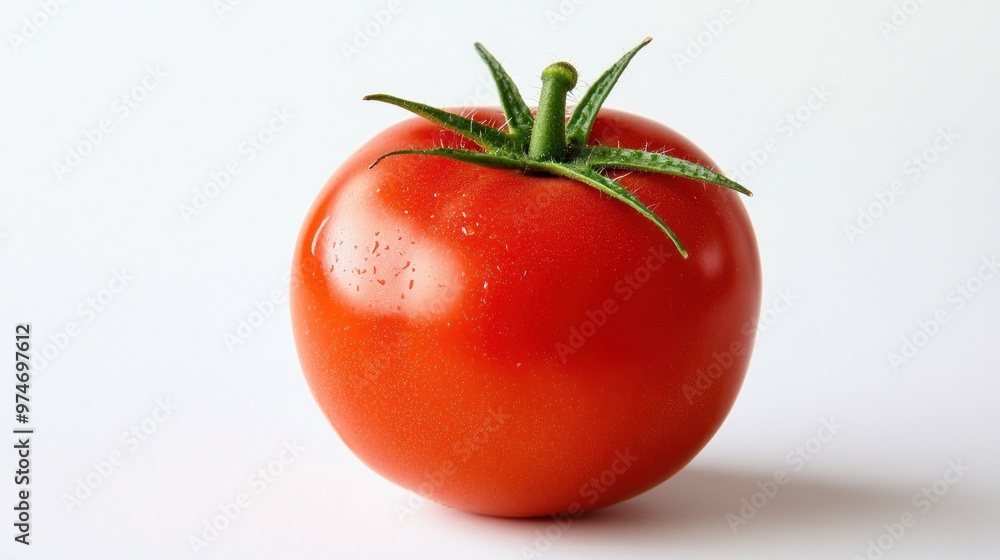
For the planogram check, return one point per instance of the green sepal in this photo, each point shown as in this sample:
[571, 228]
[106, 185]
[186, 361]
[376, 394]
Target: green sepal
[639, 160]
[519, 119]
[466, 156]
[486, 136]
[582, 121]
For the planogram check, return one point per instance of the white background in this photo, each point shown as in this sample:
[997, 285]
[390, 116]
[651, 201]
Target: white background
[826, 356]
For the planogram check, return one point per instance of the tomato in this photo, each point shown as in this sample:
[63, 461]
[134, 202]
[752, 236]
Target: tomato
[519, 344]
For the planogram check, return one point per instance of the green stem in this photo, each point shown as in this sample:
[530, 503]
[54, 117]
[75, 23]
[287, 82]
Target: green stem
[548, 135]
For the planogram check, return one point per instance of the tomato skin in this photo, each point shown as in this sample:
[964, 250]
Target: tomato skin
[441, 316]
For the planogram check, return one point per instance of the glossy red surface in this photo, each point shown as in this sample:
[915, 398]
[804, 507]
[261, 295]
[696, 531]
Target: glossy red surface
[441, 316]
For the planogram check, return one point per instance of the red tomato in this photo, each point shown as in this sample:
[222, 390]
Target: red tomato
[521, 345]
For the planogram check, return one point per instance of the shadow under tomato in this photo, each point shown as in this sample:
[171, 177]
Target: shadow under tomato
[700, 508]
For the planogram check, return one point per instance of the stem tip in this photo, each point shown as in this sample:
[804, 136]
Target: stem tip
[562, 71]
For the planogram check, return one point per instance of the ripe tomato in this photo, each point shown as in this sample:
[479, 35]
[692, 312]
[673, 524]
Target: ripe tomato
[487, 327]
[518, 344]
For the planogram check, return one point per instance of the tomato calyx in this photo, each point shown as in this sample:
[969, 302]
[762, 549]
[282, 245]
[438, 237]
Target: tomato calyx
[548, 143]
